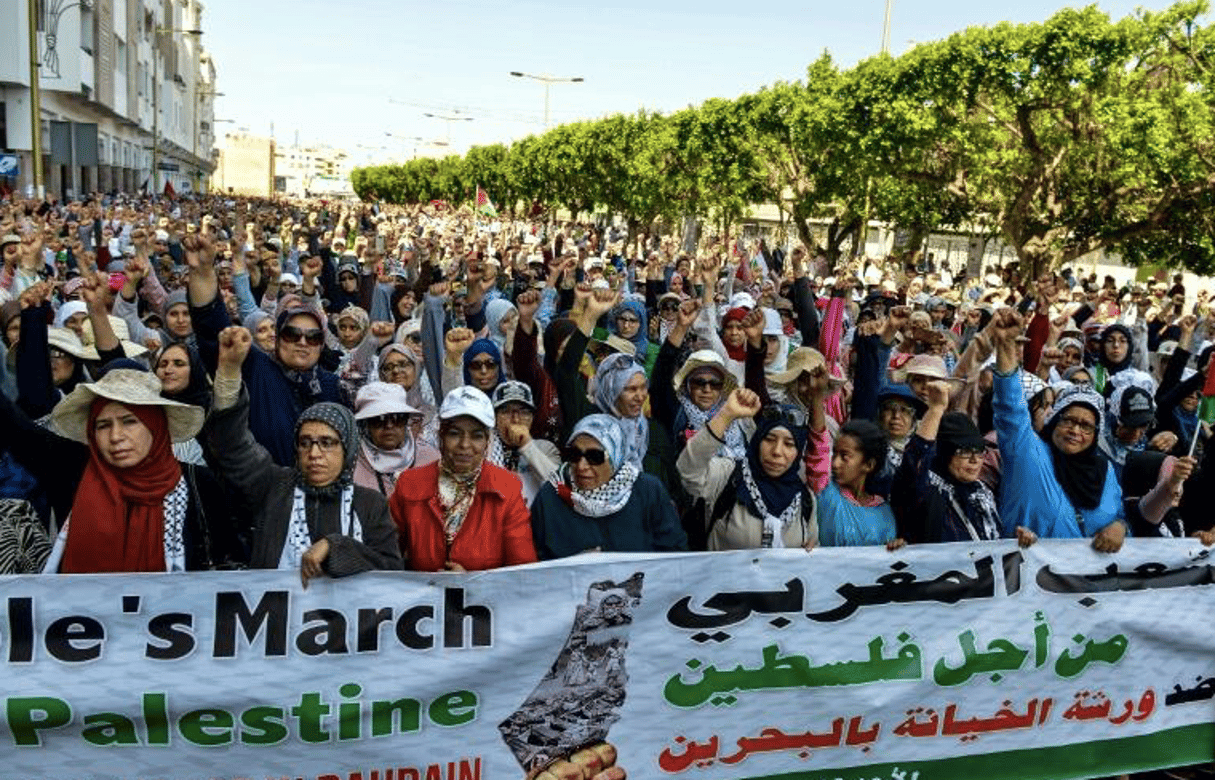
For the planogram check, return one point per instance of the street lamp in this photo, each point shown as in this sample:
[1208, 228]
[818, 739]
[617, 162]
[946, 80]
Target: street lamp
[448, 120]
[156, 102]
[405, 139]
[548, 81]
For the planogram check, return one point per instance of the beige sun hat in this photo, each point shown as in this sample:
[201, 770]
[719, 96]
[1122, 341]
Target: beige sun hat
[66, 340]
[130, 387]
[121, 331]
[930, 366]
[803, 360]
[704, 358]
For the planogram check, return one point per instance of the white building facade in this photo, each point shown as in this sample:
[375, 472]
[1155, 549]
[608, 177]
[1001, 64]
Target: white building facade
[312, 171]
[125, 85]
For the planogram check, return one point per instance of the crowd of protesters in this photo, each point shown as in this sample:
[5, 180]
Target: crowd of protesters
[229, 383]
[221, 382]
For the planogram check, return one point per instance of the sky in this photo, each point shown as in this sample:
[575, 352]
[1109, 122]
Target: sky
[361, 75]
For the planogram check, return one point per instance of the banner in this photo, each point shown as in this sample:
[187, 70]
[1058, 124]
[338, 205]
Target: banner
[931, 663]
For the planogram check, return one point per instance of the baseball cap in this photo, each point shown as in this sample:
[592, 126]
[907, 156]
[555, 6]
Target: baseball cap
[466, 401]
[513, 392]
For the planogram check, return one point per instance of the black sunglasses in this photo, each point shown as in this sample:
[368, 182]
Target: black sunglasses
[293, 335]
[714, 384]
[572, 454]
[789, 416]
[385, 420]
[668, 306]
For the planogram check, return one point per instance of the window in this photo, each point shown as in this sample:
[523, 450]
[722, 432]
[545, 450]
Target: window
[120, 56]
[87, 40]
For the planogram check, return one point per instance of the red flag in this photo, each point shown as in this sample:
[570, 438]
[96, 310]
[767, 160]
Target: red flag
[1208, 389]
[169, 190]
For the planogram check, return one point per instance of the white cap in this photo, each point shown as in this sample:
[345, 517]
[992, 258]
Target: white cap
[376, 399]
[289, 279]
[467, 401]
[742, 300]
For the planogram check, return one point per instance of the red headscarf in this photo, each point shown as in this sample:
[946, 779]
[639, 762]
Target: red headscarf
[118, 516]
[735, 315]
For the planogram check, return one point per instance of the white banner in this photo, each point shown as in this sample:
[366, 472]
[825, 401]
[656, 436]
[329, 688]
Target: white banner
[934, 662]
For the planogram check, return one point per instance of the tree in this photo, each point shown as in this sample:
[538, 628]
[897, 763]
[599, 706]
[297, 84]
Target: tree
[1070, 136]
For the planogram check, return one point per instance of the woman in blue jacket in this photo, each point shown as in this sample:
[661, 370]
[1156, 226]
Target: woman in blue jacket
[1056, 483]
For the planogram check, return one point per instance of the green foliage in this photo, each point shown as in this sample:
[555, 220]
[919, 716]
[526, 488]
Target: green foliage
[1072, 135]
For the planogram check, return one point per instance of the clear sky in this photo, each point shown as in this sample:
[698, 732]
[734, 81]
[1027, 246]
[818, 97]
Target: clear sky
[348, 73]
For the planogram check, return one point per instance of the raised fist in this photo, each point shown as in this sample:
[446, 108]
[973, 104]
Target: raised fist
[234, 344]
[457, 340]
[528, 303]
[742, 403]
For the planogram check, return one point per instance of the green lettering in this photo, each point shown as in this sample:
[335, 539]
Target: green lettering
[384, 713]
[109, 728]
[266, 723]
[453, 709]
[206, 727]
[20, 711]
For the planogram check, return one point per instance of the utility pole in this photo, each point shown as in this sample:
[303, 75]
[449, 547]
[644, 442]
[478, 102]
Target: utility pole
[35, 104]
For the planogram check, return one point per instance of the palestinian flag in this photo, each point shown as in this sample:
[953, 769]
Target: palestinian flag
[1206, 411]
[485, 206]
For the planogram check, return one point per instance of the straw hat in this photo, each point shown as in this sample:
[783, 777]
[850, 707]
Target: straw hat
[802, 360]
[121, 331]
[930, 366]
[130, 387]
[704, 358]
[66, 340]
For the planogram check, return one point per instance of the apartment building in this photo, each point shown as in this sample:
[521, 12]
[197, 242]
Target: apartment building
[127, 93]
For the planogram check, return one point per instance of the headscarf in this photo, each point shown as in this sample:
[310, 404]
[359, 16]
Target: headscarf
[773, 499]
[356, 313]
[556, 332]
[197, 391]
[305, 385]
[612, 495]
[118, 518]
[736, 314]
[610, 379]
[483, 347]
[640, 340]
[495, 311]
[342, 421]
[254, 318]
[1082, 476]
[692, 418]
[413, 396]
[68, 310]
[1109, 330]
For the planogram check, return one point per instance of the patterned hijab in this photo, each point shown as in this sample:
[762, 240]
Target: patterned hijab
[610, 379]
[612, 495]
[342, 421]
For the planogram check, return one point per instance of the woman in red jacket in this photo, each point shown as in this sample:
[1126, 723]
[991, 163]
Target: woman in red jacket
[461, 513]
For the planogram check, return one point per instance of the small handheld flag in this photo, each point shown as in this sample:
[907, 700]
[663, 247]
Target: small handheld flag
[485, 206]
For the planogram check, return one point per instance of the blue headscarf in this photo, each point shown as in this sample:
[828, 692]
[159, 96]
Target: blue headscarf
[604, 429]
[610, 379]
[483, 347]
[640, 339]
[777, 492]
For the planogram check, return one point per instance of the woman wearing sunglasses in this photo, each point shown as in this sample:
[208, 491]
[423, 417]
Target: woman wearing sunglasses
[281, 385]
[388, 436]
[760, 500]
[599, 501]
[937, 489]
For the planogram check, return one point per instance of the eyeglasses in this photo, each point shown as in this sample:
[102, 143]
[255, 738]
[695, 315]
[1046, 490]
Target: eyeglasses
[572, 455]
[56, 354]
[516, 410]
[293, 335]
[482, 365]
[783, 415]
[1084, 426]
[326, 443]
[389, 369]
[416, 338]
[969, 453]
[902, 409]
[630, 320]
[387, 420]
[706, 382]
[668, 306]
